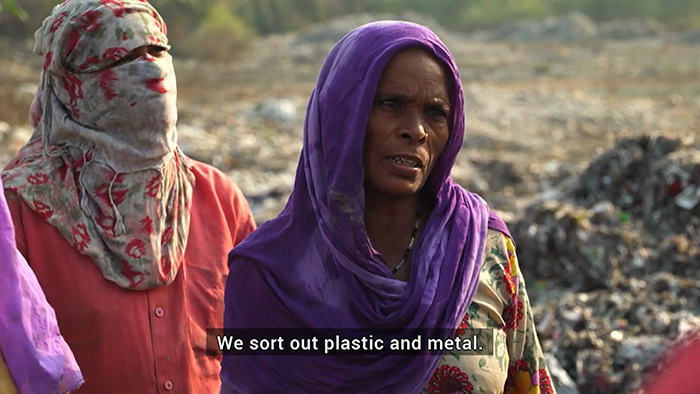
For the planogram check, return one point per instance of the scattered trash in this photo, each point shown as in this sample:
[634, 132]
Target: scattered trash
[623, 235]
[278, 110]
[561, 379]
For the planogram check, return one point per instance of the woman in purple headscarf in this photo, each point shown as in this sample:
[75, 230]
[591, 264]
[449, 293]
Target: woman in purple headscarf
[376, 235]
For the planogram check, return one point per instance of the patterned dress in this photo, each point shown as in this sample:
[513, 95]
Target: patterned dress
[501, 316]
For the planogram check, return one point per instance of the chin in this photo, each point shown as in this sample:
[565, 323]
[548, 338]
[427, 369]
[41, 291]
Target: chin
[399, 189]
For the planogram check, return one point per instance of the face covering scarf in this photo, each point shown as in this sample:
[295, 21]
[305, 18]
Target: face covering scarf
[103, 165]
[313, 267]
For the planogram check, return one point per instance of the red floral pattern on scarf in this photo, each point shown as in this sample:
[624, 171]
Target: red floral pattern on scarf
[107, 224]
[136, 249]
[156, 85]
[545, 382]
[74, 87]
[115, 53]
[117, 7]
[135, 278]
[463, 325]
[107, 78]
[88, 21]
[167, 236]
[117, 202]
[58, 22]
[449, 380]
[147, 223]
[166, 266]
[47, 61]
[153, 187]
[44, 211]
[81, 238]
[513, 313]
[103, 192]
[38, 179]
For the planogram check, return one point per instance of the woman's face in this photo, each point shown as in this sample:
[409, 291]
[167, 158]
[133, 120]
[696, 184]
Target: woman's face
[408, 126]
[153, 50]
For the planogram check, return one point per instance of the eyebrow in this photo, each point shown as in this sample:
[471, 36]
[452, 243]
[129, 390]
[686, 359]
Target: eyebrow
[409, 99]
[441, 103]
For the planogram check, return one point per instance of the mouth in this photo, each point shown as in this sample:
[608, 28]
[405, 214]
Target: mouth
[407, 160]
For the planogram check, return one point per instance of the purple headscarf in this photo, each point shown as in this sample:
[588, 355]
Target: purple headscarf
[314, 266]
[37, 356]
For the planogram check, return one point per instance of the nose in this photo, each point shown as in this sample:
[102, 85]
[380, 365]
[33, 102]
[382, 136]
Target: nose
[413, 128]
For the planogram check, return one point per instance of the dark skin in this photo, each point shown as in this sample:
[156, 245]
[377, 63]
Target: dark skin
[153, 50]
[406, 133]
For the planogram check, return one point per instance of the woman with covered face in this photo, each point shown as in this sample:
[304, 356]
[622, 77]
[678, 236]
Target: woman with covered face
[126, 235]
[376, 235]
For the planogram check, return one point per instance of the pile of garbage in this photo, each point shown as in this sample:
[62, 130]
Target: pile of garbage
[654, 178]
[609, 341]
[612, 256]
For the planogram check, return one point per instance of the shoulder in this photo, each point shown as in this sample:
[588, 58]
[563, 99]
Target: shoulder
[500, 267]
[210, 178]
[213, 185]
[499, 244]
[16, 207]
[496, 251]
[14, 204]
[215, 193]
[10, 196]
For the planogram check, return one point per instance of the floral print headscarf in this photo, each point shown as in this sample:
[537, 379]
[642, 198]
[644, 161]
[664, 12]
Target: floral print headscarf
[103, 165]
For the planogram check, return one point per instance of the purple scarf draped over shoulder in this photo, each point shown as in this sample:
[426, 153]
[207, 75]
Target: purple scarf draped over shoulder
[314, 266]
[36, 354]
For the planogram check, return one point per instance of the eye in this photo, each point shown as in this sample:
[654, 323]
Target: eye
[126, 59]
[388, 103]
[438, 113]
[156, 51]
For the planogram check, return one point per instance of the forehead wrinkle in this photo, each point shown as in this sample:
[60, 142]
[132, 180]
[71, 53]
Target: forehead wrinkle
[390, 84]
[403, 88]
[412, 98]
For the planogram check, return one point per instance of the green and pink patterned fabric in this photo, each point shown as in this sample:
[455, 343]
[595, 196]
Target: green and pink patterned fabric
[103, 166]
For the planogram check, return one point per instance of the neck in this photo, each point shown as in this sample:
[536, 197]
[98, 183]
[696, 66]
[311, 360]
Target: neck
[389, 214]
[380, 208]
